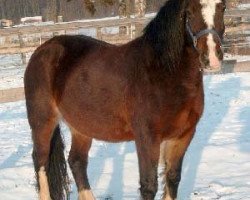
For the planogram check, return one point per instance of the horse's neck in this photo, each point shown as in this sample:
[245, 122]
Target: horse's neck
[189, 67]
[190, 63]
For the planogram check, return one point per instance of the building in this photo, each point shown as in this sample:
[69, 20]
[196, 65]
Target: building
[5, 23]
[32, 20]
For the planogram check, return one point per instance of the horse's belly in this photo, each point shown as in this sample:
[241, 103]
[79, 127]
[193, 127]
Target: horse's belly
[110, 131]
[96, 107]
[101, 125]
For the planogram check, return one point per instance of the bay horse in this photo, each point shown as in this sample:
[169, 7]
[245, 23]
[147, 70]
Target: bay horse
[149, 90]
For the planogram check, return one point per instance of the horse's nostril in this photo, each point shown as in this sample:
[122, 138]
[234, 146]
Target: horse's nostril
[220, 54]
[206, 62]
[205, 56]
[205, 59]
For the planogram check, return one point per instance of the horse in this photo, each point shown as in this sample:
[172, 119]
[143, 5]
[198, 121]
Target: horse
[149, 90]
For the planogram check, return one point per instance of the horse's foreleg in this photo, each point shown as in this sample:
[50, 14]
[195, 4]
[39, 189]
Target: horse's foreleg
[148, 149]
[173, 152]
[78, 161]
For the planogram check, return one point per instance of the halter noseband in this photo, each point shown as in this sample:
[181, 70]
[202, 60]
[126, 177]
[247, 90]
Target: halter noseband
[196, 36]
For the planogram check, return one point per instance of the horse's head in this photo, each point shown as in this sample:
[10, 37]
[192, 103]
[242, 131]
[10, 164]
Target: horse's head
[205, 27]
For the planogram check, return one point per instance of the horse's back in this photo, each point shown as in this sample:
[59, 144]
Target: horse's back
[57, 56]
[51, 63]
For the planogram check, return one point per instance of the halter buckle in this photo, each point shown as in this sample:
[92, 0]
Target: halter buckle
[195, 41]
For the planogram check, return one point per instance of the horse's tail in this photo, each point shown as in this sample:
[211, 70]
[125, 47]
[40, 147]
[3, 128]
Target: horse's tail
[48, 146]
[57, 168]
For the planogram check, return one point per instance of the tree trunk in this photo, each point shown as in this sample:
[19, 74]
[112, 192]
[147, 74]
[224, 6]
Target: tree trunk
[140, 8]
[124, 9]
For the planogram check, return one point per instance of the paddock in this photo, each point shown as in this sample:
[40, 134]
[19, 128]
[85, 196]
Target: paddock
[219, 152]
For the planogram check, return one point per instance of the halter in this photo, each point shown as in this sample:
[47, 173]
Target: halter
[196, 36]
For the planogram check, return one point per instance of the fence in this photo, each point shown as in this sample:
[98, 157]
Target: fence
[22, 40]
[237, 38]
[26, 39]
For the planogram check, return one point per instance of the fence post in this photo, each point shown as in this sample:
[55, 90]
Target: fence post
[23, 54]
[99, 33]
[139, 11]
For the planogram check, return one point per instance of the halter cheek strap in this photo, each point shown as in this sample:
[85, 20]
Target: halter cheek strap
[196, 36]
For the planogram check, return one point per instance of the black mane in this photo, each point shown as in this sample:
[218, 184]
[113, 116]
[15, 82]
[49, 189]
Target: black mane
[165, 33]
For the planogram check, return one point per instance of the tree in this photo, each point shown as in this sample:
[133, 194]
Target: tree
[91, 7]
[75, 9]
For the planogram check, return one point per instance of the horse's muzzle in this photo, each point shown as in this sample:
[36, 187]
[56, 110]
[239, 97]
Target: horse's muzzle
[212, 62]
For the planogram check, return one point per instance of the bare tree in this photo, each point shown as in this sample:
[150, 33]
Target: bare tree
[74, 9]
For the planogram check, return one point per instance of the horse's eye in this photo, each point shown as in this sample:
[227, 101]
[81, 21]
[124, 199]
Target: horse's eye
[222, 7]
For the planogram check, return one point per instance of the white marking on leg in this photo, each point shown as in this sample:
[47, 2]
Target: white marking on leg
[167, 147]
[44, 186]
[208, 13]
[85, 195]
[165, 150]
[162, 160]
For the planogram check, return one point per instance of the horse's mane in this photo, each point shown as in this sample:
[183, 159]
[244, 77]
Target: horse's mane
[165, 33]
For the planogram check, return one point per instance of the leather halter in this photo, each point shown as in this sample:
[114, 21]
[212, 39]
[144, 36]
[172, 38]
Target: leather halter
[196, 36]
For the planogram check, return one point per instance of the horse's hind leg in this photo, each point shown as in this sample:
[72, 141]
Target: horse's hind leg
[43, 121]
[173, 152]
[78, 161]
[43, 116]
[41, 150]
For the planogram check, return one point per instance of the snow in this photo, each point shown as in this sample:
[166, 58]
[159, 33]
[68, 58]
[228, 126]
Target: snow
[11, 71]
[216, 166]
[238, 58]
[35, 18]
[244, 6]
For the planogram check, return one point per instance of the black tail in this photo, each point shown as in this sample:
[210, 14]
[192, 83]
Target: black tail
[57, 168]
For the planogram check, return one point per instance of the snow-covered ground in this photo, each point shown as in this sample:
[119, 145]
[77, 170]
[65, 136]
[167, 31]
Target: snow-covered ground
[11, 71]
[217, 164]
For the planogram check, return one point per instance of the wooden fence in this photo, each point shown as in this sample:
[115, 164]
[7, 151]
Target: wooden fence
[22, 40]
[26, 39]
[237, 37]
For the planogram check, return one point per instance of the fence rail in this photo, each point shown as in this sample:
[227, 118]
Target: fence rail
[26, 39]
[21, 40]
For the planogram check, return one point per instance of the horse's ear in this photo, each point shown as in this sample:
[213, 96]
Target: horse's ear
[187, 10]
[184, 8]
[185, 3]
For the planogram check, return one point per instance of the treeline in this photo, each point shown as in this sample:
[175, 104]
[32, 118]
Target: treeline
[15, 9]
[72, 10]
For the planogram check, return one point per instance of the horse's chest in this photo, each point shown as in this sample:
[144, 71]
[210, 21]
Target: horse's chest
[178, 123]
[181, 113]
